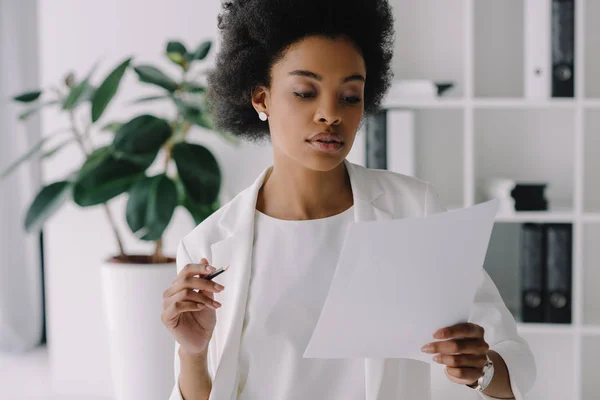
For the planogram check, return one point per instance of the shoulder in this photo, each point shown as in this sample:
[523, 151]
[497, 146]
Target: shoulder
[402, 194]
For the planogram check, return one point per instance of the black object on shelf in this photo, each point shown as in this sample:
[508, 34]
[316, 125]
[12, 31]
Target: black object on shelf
[532, 268]
[558, 273]
[442, 87]
[530, 197]
[376, 140]
[563, 48]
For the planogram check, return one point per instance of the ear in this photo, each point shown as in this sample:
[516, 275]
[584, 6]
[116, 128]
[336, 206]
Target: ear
[260, 99]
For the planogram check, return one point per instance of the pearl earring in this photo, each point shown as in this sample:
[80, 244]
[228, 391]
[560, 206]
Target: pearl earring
[262, 116]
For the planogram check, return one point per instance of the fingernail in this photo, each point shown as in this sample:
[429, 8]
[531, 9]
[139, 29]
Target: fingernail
[437, 358]
[427, 348]
[218, 287]
[439, 334]
[210, 269]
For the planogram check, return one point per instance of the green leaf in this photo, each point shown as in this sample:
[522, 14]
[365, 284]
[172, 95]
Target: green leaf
[177, 52]
[153, 75]
[81, 92]
[192, 87]
[162, 202]
[150, 98]
[102, 192]
[107, 90]
[144, 134]
[202, 51]
[75, 94]
[28, 97]
[152, 202]
[199, 211]
[30, 153]
[137, 204]
[87, 95]
[46, 203]
[205, 121]
[25, 115]
[198, 170]
[112, 127]
[103, 177]
[194, 114]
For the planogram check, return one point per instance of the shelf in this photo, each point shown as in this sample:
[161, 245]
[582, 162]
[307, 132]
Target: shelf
[537, 216]
[527, 146]
[554, 354]
[591, 104]
[439, 27]
[425, 103]
[591, 274]
[591, 161]
[439, 142]
[590, 354]
[522, 103]
[591, 217]
[590, 330]
[498, 51]
[591, 44]
[530, 328]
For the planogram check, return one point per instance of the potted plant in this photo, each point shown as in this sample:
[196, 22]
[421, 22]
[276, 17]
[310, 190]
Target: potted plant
[189, 176]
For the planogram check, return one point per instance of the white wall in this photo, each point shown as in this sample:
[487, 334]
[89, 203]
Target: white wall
[73, 35]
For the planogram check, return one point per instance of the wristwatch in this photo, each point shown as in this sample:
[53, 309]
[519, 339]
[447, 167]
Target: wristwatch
[488, 373]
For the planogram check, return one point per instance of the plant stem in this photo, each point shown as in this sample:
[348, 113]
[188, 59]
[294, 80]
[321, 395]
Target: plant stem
[111, 220]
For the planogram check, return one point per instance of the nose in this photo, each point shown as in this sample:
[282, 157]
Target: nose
[328, 112]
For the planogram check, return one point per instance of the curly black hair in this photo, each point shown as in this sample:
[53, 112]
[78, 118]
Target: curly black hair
[256, 33]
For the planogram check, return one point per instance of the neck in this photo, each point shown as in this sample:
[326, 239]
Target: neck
[294, 192]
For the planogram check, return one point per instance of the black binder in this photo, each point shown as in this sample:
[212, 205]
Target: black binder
[563, 48]
[376, 140]
[559, 273]
[532, 268]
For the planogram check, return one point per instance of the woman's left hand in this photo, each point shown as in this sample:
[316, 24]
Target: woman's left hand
[464, 353]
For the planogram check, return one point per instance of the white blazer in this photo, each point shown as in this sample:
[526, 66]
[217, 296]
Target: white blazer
[226, 238]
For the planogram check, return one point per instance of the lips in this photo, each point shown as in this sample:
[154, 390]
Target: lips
[326, 137]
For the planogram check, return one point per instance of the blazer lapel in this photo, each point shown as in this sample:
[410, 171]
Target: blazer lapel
[236, 250]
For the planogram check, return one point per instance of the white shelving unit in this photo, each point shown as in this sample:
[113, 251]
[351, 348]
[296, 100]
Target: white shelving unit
[484, 128]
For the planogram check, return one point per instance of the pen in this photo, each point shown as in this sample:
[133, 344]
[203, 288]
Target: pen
[216, 273]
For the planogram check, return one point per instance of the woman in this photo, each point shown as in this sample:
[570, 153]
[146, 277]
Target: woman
[303, 74]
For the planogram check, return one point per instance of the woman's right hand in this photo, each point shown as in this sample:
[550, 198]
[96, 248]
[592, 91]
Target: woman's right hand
[191, 315]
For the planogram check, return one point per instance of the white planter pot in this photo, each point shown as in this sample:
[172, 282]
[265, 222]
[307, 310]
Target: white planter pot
[141, 347]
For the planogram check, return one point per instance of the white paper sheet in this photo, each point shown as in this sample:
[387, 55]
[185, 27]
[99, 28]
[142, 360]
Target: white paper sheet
[399, 281]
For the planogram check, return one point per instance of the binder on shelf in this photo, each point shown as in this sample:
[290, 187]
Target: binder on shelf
[563, 48]
[532, 268]
[390, 141]
[538, 67]
[376, 140]
[558, 273]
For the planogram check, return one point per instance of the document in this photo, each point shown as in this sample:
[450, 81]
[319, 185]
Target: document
[398, 281]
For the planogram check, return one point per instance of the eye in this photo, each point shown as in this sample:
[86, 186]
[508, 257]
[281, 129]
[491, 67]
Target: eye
[306, 95]
[352, 99]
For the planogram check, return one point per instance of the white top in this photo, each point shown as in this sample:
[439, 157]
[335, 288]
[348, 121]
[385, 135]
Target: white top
[292, 269]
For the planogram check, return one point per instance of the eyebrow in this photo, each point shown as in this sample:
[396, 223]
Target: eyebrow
[309, 74]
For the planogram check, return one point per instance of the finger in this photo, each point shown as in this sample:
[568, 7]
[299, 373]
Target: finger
[458, 346]
[190, 296]
[170, 313]
[461, 360]
[464, 376]
[202, 269]
[464, 330]
[192, 282]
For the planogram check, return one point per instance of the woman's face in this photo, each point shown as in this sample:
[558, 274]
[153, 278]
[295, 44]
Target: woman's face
[318, 86]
